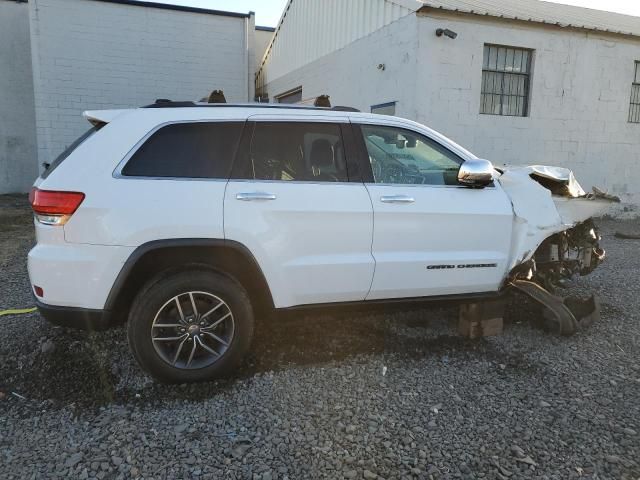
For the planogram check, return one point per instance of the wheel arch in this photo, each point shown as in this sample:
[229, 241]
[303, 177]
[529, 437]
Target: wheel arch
[227, 257]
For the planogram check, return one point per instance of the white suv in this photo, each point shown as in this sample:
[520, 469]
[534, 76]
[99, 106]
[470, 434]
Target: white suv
[189, 219]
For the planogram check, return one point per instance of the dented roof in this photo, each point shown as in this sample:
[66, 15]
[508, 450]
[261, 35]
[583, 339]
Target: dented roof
[544, 12]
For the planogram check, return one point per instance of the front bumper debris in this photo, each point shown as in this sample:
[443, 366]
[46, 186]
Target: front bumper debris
[563, 315]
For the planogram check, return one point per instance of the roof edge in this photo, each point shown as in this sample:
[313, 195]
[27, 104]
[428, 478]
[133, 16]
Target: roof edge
[265, 29]
[440, 8]
[179, 8]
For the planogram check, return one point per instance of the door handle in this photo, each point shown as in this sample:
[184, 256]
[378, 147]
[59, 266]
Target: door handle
[397, 199]
[255, 196]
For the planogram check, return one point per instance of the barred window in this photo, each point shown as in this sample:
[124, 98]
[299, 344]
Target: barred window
[634, 109]
[505, 81]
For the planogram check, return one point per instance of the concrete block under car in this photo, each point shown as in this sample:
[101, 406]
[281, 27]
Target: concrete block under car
[481, 319]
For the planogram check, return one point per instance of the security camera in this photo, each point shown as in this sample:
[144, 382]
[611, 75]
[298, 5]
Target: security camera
[446, 32]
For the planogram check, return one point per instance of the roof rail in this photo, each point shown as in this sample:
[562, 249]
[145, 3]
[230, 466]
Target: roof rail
[166, 103]
[340, 108]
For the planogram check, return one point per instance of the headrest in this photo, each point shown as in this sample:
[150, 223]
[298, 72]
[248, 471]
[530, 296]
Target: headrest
[321, 153]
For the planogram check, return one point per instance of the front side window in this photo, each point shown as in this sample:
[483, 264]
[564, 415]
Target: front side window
[400, 156]
[187, 150]
[505, 81]
[634, 109]
[312, 152]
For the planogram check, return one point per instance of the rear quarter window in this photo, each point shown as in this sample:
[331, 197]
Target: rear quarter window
[50, 167]
[187, 150]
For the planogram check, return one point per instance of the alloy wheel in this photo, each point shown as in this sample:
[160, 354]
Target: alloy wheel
[192, 330]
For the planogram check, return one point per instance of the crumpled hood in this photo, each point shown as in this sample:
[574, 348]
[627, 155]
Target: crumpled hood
[546, 200]
[558, 180]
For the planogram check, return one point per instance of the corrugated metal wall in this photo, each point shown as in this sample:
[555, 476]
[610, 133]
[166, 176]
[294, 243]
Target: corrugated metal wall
[311, 29]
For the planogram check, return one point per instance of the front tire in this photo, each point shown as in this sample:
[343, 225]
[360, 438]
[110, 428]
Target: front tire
[190, 326]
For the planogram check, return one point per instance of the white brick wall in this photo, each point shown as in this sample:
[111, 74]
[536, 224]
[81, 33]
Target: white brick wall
[18, 163]
[351, 75]
[579, 103]
[94, 55]
[580, 91]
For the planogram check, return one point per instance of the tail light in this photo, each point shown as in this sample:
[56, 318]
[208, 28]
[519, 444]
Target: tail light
[54, 208]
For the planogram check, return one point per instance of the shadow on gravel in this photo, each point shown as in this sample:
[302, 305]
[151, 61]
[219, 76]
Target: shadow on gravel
[70, 373]
[92, 370]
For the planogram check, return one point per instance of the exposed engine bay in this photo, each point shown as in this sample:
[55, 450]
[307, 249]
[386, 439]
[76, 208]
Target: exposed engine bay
[555, 239]
[573, 252]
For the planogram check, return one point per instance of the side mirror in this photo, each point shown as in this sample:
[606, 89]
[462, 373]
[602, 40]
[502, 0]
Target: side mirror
[476, 173]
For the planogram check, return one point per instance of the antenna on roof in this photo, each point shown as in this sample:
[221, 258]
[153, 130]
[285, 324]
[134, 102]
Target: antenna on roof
[217, 96]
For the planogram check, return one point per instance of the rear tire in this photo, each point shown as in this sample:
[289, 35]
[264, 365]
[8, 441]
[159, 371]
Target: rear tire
[190, 326]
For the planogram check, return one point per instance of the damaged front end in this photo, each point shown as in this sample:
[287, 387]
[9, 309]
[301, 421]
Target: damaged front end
[575, 251]
[559, 258]
[555, 239]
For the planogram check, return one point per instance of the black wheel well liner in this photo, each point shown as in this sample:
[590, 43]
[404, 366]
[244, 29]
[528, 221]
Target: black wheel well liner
[225, 256]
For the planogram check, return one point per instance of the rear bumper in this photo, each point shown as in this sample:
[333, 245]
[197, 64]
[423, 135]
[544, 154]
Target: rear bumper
[75, 275]
[74, 317]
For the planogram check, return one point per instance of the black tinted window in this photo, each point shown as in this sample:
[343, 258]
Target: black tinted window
[191, 150]
[297, 151]
[68, 151]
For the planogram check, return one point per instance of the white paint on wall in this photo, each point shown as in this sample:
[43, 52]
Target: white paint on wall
[18, 162]
[314, 28]
[96, 55]
[579, 95]
[579, 98]
[351, 77]
[262, 41]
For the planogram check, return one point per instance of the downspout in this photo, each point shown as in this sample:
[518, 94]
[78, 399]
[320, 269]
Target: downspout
[250, 44]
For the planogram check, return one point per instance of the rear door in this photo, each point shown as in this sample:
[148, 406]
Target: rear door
[432, 236]
[291, 203]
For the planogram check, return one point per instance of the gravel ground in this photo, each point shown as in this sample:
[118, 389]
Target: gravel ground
[359, 395]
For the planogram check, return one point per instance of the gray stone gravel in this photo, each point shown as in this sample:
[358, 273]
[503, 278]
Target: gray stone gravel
[352, 395]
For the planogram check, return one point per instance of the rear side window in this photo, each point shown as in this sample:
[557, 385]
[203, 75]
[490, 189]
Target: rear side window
[50, 167]
[187, 150]
[299, 151]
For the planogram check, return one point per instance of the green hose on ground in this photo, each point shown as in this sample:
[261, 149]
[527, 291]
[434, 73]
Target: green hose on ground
[17, 311]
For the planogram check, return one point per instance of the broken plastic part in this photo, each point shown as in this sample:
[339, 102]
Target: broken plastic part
[560, 181]
[543, 206]
[586, 311]
[564, 315]
[600, 194]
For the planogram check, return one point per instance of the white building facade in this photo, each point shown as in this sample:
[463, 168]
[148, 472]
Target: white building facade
[527, 83]
[61, 57]
[18, 164]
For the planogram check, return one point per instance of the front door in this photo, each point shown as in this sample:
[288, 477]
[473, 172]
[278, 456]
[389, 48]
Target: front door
[431, 236]
[290, 202]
